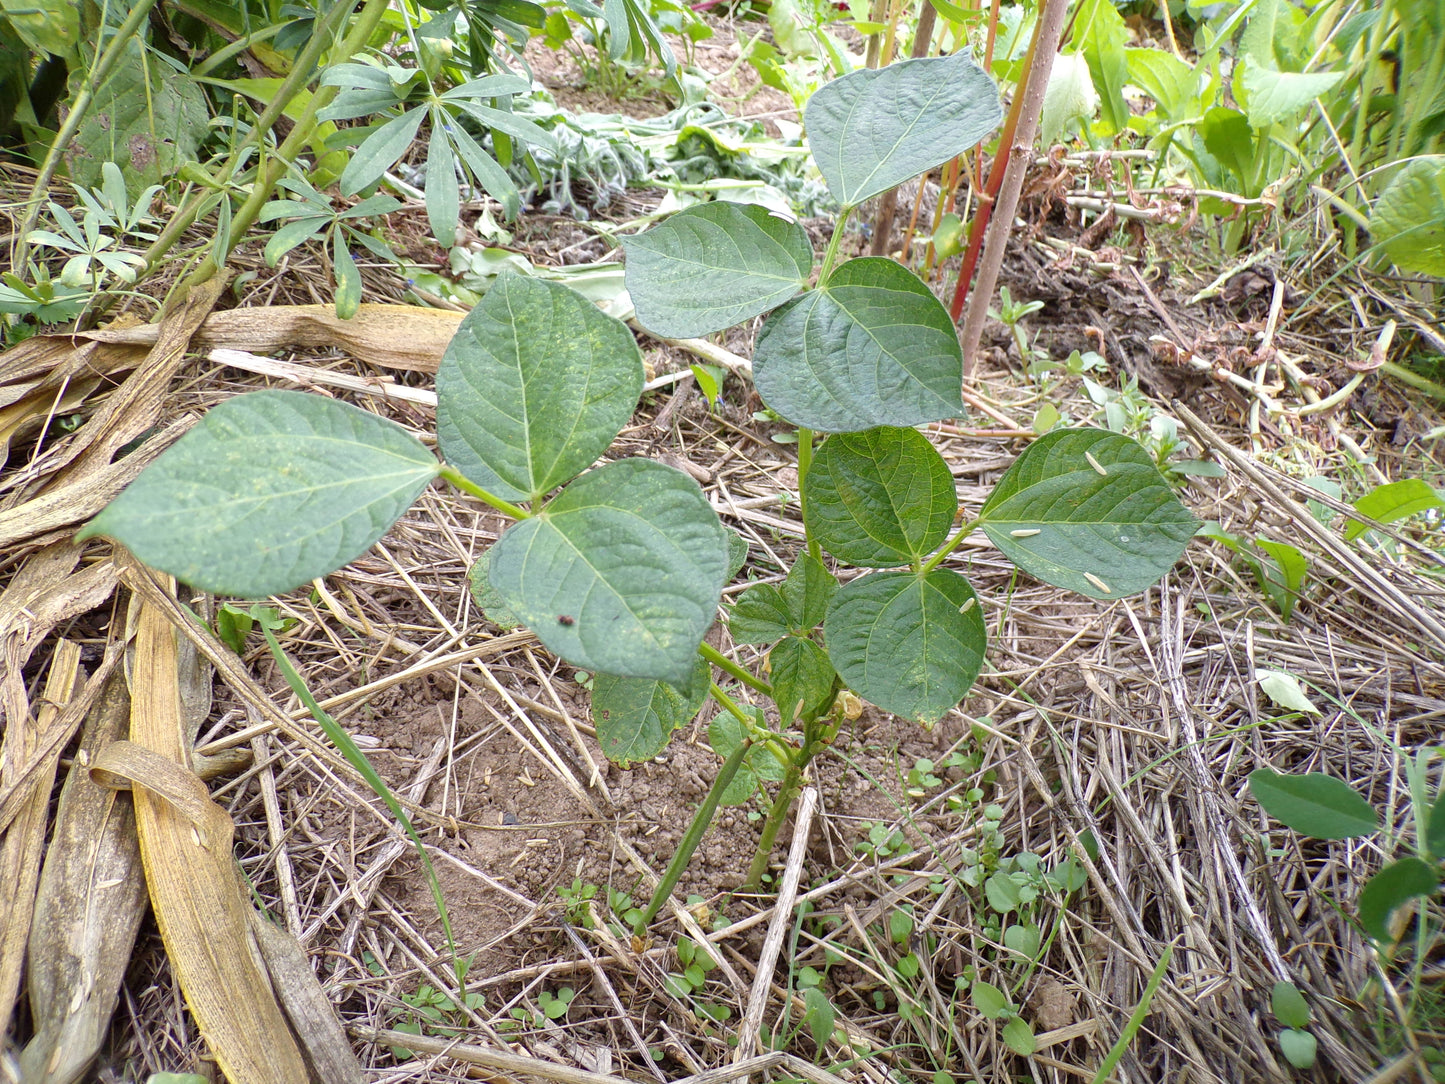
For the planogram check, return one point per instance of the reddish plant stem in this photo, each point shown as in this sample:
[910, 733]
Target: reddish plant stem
[999, 200]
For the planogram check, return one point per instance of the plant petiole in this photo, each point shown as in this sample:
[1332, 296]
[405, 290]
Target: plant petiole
[831, 255]
[805, 464]
[698, 828]
[466, 485]
[953, 544]
[722, 662]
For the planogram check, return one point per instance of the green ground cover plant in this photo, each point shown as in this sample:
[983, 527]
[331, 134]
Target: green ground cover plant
[618, 568]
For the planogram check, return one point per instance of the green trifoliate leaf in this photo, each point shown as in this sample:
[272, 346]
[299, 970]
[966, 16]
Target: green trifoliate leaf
[1087, 510]
[880, 498]
[873, 129]
[268, 491]
[802, 678]
[533, 388]
[620, 573]
[911, 644]
[872, 347]
[635, 717]
[710, 267]
[1313, 804]
[1408, 220]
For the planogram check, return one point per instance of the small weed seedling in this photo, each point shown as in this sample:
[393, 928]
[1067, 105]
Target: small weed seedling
[619, 569]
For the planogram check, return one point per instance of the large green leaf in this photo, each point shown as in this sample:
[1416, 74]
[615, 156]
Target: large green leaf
[635, 717]
[1170, 81]
[876, 128]
[1408, 220]
[1394, 501]
[533, 388]
[1271, 96]
[620, 573]
[879, 499]
[1313, 804]
[1100, 35]
[872, 347]
[1088, 510]
[268, 491]
[911, 644]
[710, 267]
[148, 125]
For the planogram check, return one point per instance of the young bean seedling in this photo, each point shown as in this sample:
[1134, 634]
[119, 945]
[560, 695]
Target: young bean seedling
[619, 568]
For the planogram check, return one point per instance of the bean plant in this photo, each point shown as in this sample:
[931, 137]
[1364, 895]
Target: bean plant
[619, 568]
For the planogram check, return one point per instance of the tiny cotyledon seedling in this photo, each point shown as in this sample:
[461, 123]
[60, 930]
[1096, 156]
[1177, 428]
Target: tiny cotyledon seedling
[619, 568]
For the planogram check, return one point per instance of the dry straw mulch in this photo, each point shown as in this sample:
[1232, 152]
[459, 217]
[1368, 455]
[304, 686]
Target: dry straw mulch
[1136, 722]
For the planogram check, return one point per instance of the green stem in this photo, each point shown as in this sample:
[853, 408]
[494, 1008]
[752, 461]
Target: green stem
[79, 110]
[696, 830]
[466, 485]
[805, 464]
[778, 812]
[830, 256]
[717, 693]
[1136, 1020]
[722, 662]
[357, 759]
[953, 544]
[301, 133]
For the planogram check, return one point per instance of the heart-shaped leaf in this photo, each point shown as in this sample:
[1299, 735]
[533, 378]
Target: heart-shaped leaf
[1087, 510]
[911, 644]
[710, 267]
[880, 498]
[1313, 804]
[635, 718]
[871, 347]
[268, 491]
[535, 385]
[873, 129]
[620, 573]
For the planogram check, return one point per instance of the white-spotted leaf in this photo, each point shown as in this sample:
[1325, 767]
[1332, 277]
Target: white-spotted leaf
[872, 347]
[268, 491]
[710, 267]
[1087, 510]
[536, 383]
[620, 573]
[873, 129]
